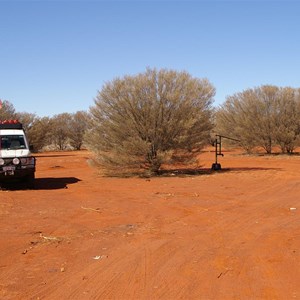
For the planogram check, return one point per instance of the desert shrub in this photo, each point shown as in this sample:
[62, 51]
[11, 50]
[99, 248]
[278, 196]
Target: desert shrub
[60, 128]
[138, 122]
[39, 133]
[27, 120]
[78, 127]
[287, 120]
[261, 117]
[7, 110]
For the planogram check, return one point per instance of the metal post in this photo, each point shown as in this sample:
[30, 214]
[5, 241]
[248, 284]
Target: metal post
[218, 144]
[216, 150]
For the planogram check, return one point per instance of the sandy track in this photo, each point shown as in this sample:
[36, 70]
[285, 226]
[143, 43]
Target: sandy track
[226, 235]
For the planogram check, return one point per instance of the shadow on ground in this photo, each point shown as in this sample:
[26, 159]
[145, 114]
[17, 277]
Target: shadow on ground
[207, 171]
[48, 183]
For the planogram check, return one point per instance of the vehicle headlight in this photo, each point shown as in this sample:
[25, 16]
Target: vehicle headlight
[23, 161]
[1, 162]
[27, 160]
[16, 161]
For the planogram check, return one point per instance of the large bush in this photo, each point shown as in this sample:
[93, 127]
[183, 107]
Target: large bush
[139, 122]
[262, 117]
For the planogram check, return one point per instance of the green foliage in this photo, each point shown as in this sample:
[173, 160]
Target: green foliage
[138, 122]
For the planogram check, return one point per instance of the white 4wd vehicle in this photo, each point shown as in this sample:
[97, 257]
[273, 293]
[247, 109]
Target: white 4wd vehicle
[16, 161]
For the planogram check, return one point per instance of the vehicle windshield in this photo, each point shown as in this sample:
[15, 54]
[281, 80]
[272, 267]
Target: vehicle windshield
[12, 142]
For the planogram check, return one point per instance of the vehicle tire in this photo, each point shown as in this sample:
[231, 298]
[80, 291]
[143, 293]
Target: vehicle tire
[29, 181]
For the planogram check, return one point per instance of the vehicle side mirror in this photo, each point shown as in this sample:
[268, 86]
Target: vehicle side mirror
[31, 148]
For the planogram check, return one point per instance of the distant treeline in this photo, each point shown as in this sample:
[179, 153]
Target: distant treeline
[60, 132]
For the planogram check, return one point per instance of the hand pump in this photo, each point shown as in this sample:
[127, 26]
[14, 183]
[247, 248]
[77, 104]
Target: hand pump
[218, 150]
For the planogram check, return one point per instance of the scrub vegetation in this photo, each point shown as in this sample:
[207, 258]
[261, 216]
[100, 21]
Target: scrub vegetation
[264, 117]
[64, 131]
[138, 123]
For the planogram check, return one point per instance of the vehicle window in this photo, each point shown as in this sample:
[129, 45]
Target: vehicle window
[12, 142]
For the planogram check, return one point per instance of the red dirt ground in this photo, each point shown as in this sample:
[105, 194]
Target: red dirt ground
[224, 235]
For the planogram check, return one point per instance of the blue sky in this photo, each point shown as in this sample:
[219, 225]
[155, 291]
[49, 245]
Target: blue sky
[56, 55]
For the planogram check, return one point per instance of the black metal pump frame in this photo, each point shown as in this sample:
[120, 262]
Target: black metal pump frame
[218, 150]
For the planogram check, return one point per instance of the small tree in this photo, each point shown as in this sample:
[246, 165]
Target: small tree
[263, 117]
[140, 122]
[287, 121]
[60, 127]
[248, 117]
[39, 133]
[27, 120]
[78, 127]
[7, 110]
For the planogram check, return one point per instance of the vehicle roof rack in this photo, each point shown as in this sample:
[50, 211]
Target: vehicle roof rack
[10, 124]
